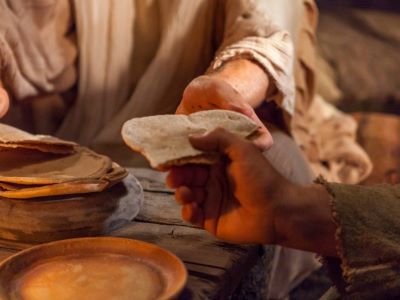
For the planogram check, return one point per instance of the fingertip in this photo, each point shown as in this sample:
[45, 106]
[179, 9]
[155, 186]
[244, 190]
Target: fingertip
[201, 175]
[264, 141]
[193, 214]
[245, 110]
[4, 102]
[183, 195]
[208, 141]
[170, 179]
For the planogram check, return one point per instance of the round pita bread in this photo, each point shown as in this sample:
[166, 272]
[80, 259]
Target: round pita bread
[29, 167]
[16, 191]
[163, 139]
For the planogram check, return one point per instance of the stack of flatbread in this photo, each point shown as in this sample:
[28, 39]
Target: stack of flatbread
[39, 166]
[164, 140]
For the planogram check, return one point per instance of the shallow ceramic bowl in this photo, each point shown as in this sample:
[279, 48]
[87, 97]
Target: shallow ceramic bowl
[16, 270]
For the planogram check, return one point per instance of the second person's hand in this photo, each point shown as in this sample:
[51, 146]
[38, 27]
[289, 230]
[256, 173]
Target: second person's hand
[243, 199]
[237, 199]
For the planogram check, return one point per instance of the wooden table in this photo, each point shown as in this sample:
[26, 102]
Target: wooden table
[215, 268]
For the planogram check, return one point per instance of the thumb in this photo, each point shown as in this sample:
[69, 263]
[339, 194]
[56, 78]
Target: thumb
[219, 140]
[4, 102]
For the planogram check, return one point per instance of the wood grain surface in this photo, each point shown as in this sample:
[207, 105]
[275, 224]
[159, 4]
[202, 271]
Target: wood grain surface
[215, 268]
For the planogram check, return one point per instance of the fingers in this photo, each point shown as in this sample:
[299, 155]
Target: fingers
[193, 214]
[264, 139]
[217, 140]
[238, 107]
[223, 142]
[4, 102]
[190, 182]
[189, 175]
[181, 110]
[216, 193]
[185, 195]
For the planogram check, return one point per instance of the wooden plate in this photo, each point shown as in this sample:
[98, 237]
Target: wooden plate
[92, 268]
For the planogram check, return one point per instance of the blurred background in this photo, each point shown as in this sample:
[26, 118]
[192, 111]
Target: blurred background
[359, 70]
[359, 43]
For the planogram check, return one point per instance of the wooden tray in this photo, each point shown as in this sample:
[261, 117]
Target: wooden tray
[40, 220]
[92, 268]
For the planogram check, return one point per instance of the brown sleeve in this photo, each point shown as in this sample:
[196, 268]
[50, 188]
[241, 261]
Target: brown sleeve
[368, 241]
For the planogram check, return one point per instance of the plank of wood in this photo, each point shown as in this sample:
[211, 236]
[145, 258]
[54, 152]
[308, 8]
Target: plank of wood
[151, 180]
[159, 205]
[215, 268]
[160, 208]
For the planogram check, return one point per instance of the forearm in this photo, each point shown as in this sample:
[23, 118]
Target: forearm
[248, 78]
[304, 220]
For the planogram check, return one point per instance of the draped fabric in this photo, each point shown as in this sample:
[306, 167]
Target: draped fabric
[132, 58]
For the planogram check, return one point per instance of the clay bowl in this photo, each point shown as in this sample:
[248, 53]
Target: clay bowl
[39, 220]
[92, 268]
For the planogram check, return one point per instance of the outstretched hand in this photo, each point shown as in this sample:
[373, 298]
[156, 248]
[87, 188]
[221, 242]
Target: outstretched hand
[210, 92]
[236, 199]
[243, 199]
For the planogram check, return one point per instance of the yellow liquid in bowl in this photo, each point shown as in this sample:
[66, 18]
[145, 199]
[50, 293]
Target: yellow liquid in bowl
[97, 277]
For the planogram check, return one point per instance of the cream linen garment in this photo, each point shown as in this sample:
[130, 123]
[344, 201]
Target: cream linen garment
[140, 57]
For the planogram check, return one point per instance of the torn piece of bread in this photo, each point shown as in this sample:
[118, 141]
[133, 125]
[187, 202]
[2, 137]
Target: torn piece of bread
[164, 139]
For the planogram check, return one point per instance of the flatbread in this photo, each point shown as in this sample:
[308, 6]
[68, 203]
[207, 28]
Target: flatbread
[16, 138]
[81, 186]
[67, 188]
[115, 175]
[163, 139]
[46, 148]
[29, 167]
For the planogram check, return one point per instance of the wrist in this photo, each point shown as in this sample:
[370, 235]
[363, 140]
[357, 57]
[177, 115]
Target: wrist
[304, 220]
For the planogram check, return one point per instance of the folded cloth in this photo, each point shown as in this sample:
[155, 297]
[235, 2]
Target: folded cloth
[36, 53]
[328, 139]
